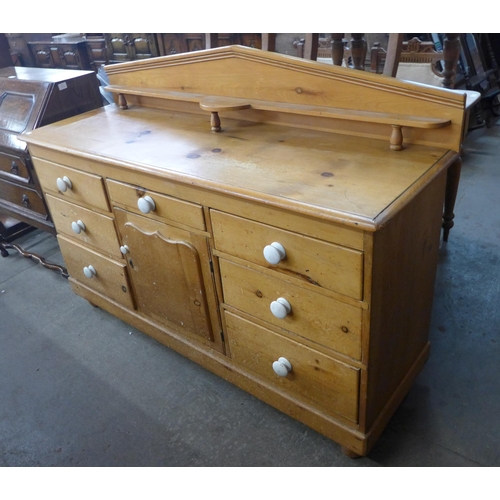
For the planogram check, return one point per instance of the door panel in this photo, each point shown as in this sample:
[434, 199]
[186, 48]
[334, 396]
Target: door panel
[165, 268]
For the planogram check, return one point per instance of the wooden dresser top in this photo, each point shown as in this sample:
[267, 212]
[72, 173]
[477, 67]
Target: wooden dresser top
[333, 175]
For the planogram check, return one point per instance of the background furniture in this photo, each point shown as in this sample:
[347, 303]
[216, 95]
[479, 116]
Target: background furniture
[31, 98]
[288, 246]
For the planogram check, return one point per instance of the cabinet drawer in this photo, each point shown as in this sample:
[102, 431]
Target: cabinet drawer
[324, 264]
[95, 229]
[85, 188]
[110, 279]
[23, 196]
[165, 207]
[329, 384]
[313, 316]
[14, 167]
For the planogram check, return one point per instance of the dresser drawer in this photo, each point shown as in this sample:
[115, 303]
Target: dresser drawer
[85, 226]
[14, 167]
[332, 385]
[22, 196]
[313, 316]
[110, 276]
[324, 264]
[164, 208]
[82, 187]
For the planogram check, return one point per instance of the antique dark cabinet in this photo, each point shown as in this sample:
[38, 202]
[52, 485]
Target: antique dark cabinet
[97, 49]
[31, 98]
[64, 55]
[130, 46]
[176, 43]
[19, 47]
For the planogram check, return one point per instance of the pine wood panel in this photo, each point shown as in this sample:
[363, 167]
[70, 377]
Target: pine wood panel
[111, 278]
[99, 231]
[314, 376]
[165, 267]
[314, 316]
[329, 266]
[167, 208]
[87, 188]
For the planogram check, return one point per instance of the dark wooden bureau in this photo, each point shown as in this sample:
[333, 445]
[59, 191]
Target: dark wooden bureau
[31, 98]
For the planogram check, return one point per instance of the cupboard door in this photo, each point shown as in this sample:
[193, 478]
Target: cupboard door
[167, 267]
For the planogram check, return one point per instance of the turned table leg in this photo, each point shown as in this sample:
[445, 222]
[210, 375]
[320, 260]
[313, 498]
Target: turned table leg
[452, 181]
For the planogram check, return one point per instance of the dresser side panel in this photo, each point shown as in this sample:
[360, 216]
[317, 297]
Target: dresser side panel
[405, 257]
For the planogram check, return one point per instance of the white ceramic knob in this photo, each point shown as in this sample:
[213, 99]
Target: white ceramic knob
[146, 204]
[63, 184]
[89, 271]
[282, 367]
[280, 308]
[274, 253]
[78, 226]
[124, 249]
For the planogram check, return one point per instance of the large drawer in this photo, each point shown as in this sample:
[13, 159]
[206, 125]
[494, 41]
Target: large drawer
[164, 208]
[314, 316]
[85, 188]
[84, 225]
[329, 384]
[110, 279]
[324, 264]
[23, 196]
[14, 167]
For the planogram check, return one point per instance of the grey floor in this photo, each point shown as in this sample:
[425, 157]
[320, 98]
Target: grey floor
[78, 387]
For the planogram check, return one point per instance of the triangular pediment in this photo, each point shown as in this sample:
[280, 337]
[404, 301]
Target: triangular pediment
[237, 72]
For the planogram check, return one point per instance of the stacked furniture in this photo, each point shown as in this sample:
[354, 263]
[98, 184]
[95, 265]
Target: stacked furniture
[274, 219]
[31, 98]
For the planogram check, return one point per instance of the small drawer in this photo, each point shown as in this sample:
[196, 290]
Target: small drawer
[85, 226]
[14, 167]
[158, 206]
[72, 185]
[330, 266]
[23, 196]
[313, 316]
[330, 385]
[110, 277]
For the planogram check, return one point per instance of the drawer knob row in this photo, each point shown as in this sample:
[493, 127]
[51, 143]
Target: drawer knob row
[281, 308]
[146, 204]
[64, 183]
[89, 272]
[282, 367]
[78, 226]
[274, 253]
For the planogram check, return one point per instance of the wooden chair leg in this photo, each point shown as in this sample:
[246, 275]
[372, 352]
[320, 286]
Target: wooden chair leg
[452, 181]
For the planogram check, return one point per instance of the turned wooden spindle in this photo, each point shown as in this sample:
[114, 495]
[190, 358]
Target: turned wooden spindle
[122, 101]
[451, 53]
[217, 104]
[338, 48]
[358, 50]
[215, 121]
[396, 142]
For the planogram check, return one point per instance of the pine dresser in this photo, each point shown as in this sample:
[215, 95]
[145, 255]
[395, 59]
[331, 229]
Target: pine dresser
[276, 220]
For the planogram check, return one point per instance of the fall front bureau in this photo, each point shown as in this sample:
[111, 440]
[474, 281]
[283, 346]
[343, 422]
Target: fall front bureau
[295, 262]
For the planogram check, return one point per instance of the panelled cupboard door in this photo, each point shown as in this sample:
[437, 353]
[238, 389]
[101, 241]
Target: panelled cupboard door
[166, 270]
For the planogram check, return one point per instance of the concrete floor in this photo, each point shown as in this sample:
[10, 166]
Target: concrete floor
[79, 387]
